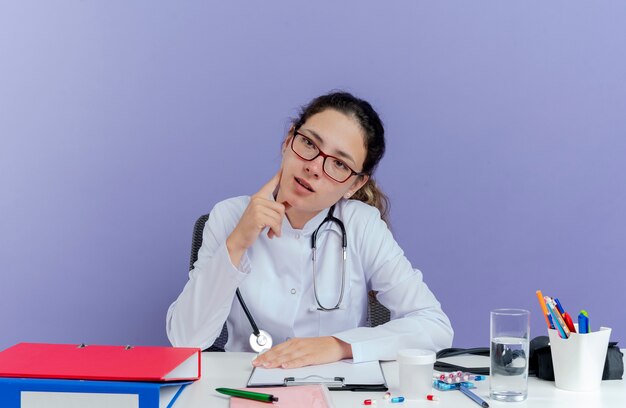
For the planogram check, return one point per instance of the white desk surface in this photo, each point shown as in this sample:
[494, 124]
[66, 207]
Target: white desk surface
[233, 369]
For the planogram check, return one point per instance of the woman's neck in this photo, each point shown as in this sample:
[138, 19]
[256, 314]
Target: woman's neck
[298, 219]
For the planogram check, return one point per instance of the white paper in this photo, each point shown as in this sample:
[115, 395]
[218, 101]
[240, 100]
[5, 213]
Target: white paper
[368, 373]
[49, 399]
[35, 399]
[187, 369]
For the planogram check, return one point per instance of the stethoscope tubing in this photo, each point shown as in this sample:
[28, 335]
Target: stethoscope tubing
[255, 328]
[330, 218]
[260, 340]
[261, 336]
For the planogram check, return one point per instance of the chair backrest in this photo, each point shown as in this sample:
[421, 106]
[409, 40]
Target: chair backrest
[376, 312]
[196, 243]
[196, 239]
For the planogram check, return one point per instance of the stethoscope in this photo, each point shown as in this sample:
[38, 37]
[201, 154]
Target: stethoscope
[260, 340]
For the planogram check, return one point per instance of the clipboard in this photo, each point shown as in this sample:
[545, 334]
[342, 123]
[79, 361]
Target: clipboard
[343, 375]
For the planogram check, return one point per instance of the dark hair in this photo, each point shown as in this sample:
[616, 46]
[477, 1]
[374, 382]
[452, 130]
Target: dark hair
[367, 118]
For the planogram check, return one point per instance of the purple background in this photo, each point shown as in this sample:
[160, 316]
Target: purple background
[122, 121]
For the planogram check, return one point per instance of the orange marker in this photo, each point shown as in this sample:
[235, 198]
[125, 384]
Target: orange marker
[542, 303]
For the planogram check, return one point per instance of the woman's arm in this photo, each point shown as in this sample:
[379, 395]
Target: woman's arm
[304, 351]
[417, 320]
[197, 316]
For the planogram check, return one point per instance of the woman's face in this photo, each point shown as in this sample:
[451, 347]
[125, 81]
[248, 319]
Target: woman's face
[304, 184]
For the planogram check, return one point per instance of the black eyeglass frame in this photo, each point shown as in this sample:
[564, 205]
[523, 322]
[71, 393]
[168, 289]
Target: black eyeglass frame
[325, 156]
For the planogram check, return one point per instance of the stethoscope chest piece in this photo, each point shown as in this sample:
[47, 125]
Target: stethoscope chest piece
[261, 342]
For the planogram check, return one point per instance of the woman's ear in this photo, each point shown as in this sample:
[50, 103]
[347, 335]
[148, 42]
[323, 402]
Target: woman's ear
[358, 183]
[288, 139]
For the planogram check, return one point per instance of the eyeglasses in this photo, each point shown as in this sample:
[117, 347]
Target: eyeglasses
[334, 168]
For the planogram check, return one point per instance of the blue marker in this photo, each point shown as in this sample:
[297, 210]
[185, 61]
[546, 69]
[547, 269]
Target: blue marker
[583, 322]
[558, 306]
[397, 399]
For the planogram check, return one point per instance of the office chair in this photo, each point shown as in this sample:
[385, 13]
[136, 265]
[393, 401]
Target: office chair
[376, 313]
[196, 243]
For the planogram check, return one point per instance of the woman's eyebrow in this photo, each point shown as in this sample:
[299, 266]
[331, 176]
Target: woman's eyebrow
[320, 141]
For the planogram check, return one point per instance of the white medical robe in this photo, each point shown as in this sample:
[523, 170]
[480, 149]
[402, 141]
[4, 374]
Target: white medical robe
[275, 277]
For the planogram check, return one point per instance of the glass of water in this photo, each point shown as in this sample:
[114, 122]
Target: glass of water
[510, 334]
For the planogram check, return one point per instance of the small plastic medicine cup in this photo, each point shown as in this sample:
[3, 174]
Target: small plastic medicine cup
[416, 372]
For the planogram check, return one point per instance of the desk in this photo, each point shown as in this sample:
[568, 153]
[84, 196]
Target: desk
[233, 369]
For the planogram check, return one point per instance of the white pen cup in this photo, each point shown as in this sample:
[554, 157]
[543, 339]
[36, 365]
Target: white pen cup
[416, 372]
[578, 361]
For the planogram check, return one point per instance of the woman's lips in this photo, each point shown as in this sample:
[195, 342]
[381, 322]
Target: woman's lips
[304, 184]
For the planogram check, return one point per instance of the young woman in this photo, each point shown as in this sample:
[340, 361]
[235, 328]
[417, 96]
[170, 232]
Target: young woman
[312, 302]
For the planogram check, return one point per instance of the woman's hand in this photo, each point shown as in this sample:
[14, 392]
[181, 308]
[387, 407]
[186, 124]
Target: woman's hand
[304, 351]
[262, 212]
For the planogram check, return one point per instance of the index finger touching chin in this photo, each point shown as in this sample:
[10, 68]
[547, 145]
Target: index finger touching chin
[271, 185]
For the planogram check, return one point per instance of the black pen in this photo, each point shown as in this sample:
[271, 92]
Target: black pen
[257, 396]
[473, 396]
